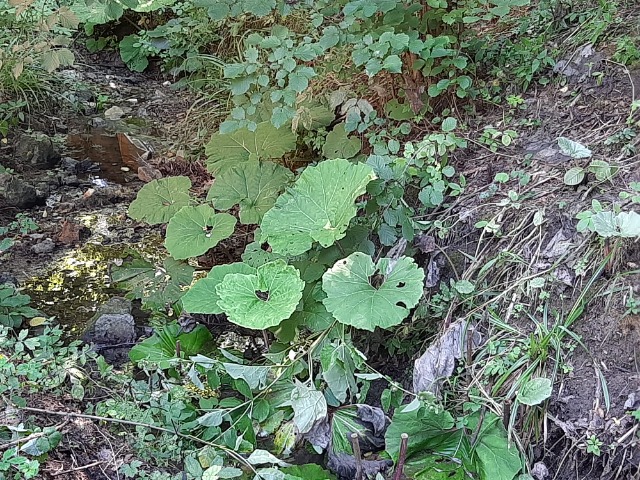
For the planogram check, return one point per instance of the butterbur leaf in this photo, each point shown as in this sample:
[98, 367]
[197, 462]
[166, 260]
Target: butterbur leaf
[262, 299]
[318, 207]
[535, 391]
[227, 150]
[254, 187]
[159, 200]
[573, 149]
[365, 295]
[497, 460]
[194, 230]
[202, 296]
[339, 145]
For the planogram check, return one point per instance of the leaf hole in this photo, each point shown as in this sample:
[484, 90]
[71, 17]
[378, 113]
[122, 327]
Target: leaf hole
[401, 284]
[401, 305]
[264, 246]
[264, 296]
[376, 280]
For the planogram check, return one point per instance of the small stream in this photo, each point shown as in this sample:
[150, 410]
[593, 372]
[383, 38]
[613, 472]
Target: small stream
[76, 282]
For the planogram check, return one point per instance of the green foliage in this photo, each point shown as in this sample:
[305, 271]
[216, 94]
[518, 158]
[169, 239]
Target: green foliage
[253, 187]
[535, 391]
[318, 208]
[159, 200]
[368, 295]
[22, 225]
[37, 364]
[265, 142]
[155, 286]
[14, 307]
[192, 231]
[262, 299]
[478, 441]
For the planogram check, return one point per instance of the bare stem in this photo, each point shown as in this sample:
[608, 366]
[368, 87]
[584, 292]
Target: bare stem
[357, 455]
[402, 456]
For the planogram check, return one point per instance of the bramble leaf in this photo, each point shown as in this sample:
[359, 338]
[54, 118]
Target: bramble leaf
[318, 207]
[354, 300]
[254, 187]
[535, 391]
[262, 299]
[159, 200]
[194, 230]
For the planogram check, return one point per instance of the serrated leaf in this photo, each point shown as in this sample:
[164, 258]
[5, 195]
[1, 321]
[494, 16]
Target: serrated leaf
[534, 391]
[159, 200]
[50, 60]
[227, 150]
[263, 299]
[339, 145]
[353, 300]
[66, 57]
[574, 176]
[573, 149]
[202, 296]
[254, 187]
[192, 231]
[317, 208]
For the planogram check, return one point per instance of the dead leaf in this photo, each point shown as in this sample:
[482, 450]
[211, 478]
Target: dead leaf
[438, 362]
[70, 233]
[37, 321]
[147, 173]
[426, 243]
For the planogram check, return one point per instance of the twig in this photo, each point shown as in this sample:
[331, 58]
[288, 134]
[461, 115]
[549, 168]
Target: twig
[627, 435]
[402, 456]
[227, 450]
[357, 455]
[75, 469]
[28, 438]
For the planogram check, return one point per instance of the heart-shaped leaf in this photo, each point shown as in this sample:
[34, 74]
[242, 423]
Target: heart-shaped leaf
[318, 207]
[159, 200]
[573, 149]
[574, 176]
[339, 145]
[228, 150]
[202, 296]
[366, 295]
[535, 391]
[194, 230]
[254, 186]
[262, 299]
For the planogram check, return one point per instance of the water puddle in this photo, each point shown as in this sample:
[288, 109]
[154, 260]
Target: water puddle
[118, 155]
[79, 282]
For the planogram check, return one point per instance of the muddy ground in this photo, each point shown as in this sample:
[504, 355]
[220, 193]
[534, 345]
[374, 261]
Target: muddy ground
[80, 207]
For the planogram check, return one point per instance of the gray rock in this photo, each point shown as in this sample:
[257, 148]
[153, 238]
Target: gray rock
[36, 151]
[46, 246]
[112, 330]
[18, 193]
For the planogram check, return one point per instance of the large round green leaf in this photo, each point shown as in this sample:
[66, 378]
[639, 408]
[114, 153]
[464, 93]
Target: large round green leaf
[194, 230]
[353, 299]
[254, 186]
[263, 299]
[159, 200]
[317, 208]
[227, 150]
[202, 296]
